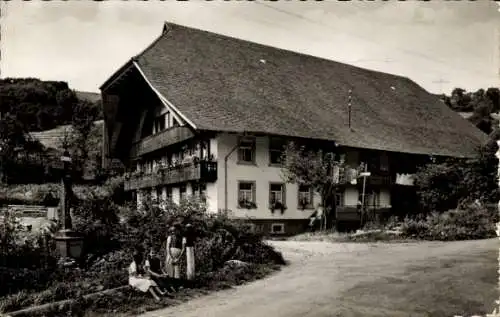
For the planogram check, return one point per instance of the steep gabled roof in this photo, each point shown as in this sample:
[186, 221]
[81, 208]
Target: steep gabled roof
[226, 84]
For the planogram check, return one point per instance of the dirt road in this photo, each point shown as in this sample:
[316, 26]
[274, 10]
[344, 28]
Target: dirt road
[340, 279]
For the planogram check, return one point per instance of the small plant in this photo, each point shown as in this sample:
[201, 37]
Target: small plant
[277, 205]
[304, 203]
[137, 173]
[245, 203]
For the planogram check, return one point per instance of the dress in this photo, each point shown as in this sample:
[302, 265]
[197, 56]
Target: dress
[154, 265]
[190, 262]
[140, 283]
[173, 270]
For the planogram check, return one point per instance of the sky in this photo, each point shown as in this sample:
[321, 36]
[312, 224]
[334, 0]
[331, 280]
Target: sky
[438, 44]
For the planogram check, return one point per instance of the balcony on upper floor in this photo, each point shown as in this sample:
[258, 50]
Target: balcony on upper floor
[380, 180]
[160, 140]
[203, 171]
[353, 176]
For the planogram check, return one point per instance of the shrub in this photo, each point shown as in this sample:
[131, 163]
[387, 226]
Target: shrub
[219, 238]
[445, 185]
[470, 222]
[111, 231]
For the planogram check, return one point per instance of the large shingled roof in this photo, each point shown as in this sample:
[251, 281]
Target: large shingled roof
[226, 84]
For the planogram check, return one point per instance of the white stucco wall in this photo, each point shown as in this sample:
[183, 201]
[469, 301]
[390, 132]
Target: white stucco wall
[262, 174]
[351, 196]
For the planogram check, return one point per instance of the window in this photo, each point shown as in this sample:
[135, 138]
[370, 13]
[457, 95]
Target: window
[306, 197]
[167, 120]
[183, 192]
[195, 189]
[159, 195]
[246, 194]
[276, 193]
[278, 228]
[339, 199]
[372, 199]
[384, 162]
[375, 199]
[203, 192]
[246, 150]
[169, 193]
[276, 147]
[199, 191]
[159, 123]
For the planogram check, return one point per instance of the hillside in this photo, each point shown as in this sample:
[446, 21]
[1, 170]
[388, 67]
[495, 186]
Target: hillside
[51, 139]
[38, 105]
[90, 96]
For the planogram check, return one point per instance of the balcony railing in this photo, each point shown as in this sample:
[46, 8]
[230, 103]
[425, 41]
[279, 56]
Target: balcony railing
[380, 180]
[202, 171]
[352, 213]
[160, 140]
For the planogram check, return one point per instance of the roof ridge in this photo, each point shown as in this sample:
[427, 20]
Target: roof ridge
[172, 26]
[166, 29]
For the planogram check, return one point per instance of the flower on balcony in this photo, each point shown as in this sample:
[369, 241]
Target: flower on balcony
[304, 203]
[277, 205]
[137, 173]
[245, 203]
[163, 168]
[196, 160]
[127, 175]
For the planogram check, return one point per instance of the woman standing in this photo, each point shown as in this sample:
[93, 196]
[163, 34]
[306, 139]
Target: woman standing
[188, 245]
[174, 252]
[138, 279]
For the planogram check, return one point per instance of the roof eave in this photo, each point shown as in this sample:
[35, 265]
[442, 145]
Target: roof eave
[117, 75]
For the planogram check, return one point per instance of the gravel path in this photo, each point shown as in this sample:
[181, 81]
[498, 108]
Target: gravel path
[312, 285]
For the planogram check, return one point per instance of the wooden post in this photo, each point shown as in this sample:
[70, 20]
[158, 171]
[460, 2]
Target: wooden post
[365, 174]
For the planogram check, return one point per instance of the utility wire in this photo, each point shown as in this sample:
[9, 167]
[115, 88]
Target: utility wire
[406, 51]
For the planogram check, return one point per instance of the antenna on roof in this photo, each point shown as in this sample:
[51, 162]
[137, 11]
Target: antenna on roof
[166, 28]
[349, 106]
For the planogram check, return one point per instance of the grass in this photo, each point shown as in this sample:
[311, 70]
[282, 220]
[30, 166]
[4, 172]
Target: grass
[131, 303]
[463, 285]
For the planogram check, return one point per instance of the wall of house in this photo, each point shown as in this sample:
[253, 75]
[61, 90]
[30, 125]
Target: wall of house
[351, 196]
[262, 174]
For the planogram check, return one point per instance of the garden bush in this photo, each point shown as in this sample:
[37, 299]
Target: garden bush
[219, 238]
[111, 232]
[466, 223]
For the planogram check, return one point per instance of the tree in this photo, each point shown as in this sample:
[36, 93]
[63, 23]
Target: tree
[318, 169]
[494, 95]
[456, 182]
[83, 117]
[460, 100]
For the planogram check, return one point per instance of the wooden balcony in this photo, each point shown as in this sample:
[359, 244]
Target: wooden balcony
[160, 140]
[379, 180]
[352, 213]
[203, 171]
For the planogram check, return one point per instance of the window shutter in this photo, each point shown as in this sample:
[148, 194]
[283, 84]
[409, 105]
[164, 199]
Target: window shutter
[283, 194]
[254, 196]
